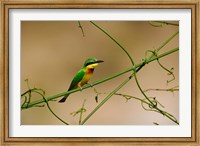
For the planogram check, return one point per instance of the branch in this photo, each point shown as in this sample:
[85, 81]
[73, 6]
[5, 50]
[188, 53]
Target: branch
[25, 106]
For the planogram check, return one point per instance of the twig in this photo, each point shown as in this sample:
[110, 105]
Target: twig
[143, 101]
[80, 26]
[169, 72]
[152, 108]
[175, 88]
[81, 111]
[161, 23]
[154, 53]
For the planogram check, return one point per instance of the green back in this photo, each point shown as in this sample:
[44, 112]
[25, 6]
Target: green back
[78, 77]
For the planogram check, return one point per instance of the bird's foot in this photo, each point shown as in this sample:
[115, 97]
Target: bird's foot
[81, 88]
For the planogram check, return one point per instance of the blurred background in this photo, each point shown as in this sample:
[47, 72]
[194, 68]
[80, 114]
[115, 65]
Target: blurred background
[53, 51]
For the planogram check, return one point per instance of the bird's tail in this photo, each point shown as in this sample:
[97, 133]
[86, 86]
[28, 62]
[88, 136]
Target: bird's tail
[64, 98]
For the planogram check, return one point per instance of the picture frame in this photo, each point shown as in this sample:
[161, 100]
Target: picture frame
[7, 5]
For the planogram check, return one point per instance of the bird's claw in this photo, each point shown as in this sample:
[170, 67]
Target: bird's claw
[90, 85]
[81, 88]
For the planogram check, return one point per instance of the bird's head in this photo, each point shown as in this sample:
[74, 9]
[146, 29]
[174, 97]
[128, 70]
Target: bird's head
[92, 63]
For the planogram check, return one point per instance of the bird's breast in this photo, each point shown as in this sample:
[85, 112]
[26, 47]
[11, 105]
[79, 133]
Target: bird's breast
[87, 76]
[89, 73]
[90, 70]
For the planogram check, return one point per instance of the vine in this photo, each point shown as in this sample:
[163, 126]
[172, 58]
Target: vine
[148, 103]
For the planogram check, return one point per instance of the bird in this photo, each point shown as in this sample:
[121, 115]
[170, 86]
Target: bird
[83, 75]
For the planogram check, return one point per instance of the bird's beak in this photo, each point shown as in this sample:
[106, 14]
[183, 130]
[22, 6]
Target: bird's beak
[99, 61]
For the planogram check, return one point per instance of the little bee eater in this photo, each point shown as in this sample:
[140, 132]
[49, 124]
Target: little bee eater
[83, 76]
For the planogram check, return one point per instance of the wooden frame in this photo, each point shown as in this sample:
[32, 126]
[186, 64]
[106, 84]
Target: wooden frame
[6, 5]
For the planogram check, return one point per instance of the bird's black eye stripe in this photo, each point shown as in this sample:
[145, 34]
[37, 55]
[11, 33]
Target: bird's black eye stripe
[89, 63]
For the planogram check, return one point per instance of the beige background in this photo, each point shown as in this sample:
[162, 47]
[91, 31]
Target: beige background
[52, 52]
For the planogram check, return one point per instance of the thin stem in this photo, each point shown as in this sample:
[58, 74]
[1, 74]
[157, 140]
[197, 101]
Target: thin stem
[100, 81]
[51, 109]
[140, 87]
[163, 22]
[158, 110]
[129, 96]
[30, 90]
[169, 72]
[129, 56]
[171, 117]
[105, 99]
[154, 106]
[168, 89]
[81, 112]
[167, 41]
[80, 26]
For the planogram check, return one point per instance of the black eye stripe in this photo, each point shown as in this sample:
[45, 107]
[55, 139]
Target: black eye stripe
[89, 63]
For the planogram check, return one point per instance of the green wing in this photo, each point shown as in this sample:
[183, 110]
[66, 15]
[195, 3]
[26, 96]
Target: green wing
[78, 77]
